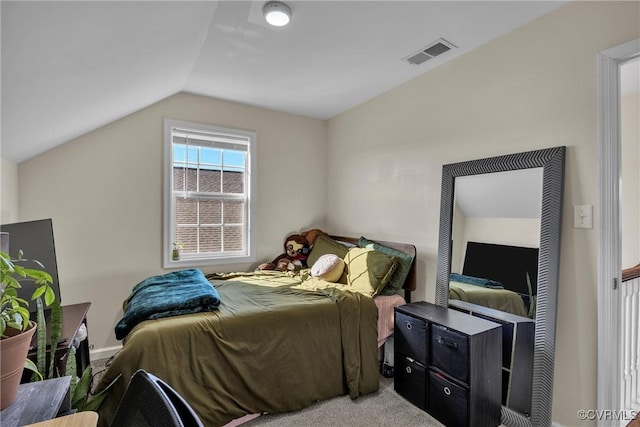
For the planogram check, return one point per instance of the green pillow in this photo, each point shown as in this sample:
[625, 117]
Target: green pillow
[404, 265]
[323, 245]
[368, 271]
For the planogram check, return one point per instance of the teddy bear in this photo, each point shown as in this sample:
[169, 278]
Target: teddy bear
[294, 258]
[311, 235]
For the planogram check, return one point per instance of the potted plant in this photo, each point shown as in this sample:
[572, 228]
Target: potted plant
[16, 329]
[175, 253]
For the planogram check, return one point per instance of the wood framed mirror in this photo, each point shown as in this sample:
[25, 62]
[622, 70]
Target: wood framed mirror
[541, 300]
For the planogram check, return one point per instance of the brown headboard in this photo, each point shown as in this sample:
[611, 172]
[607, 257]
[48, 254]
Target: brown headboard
[410, 283]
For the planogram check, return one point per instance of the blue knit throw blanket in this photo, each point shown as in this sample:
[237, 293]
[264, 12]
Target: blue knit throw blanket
[172, 294]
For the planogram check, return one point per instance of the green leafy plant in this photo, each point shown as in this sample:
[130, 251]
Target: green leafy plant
[43, 335]
[81, 397]
[14, 312]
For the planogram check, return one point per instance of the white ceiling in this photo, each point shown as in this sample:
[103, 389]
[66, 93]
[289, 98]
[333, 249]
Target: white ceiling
[71, 67]
[511, 194]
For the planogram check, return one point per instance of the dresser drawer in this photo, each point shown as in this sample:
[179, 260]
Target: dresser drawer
[410, 381]
[448, 363]
[410, 337]
[447, 402]
[450, 352]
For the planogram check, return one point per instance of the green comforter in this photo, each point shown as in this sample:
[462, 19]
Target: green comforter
[498, 299]
[277, 343]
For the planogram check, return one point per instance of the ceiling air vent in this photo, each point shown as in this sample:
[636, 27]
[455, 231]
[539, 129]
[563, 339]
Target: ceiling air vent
[431, 51]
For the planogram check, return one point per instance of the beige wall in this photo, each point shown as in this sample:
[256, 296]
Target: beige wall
[502, 231]
[104, 194]
[630, 212]
[530, 89]
[8, 192]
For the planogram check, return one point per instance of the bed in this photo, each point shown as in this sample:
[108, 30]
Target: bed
[278, 342]
[498, 299]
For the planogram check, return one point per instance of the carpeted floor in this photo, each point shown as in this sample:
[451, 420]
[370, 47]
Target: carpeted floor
[383, 408]
[97, 368]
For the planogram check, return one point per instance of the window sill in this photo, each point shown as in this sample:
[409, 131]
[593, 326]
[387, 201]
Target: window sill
[200, 262]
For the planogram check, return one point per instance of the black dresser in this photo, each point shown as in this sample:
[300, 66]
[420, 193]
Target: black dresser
[518, 335]
[448, 363]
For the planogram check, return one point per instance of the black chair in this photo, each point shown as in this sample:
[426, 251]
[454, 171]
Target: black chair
[150, 402]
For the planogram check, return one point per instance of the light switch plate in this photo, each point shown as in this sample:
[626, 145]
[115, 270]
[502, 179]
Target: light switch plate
[583, 216]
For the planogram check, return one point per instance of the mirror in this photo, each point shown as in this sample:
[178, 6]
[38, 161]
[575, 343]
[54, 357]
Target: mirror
[477, 223]
[495, 241]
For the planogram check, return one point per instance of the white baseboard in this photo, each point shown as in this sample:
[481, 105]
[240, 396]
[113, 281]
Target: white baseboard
[104, 353]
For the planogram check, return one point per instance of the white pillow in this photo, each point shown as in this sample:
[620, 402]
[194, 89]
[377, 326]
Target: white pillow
[328, 267]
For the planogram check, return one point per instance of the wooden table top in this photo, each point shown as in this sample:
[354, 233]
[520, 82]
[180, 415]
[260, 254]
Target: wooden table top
[79, 419]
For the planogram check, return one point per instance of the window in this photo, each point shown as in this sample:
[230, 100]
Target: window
[209, 180]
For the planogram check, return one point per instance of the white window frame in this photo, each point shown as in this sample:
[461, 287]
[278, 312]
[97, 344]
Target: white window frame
[248, 255]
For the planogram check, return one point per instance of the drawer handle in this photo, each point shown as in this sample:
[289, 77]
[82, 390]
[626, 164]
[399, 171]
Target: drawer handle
[409, 326]
[447, 391]
[408, 369]
[449, 344]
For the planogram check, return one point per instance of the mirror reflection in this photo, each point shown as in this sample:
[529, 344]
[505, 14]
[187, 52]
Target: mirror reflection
[495, 240]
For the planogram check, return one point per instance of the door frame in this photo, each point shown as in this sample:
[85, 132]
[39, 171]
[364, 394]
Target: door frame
[609, 242]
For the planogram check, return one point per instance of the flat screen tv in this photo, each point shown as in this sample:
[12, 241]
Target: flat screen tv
[508, 265]
[35, 239]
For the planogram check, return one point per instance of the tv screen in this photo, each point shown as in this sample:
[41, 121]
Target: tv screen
[35, 239]
[508, 265]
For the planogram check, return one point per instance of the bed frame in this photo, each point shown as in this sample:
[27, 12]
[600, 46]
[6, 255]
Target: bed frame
[410, 283]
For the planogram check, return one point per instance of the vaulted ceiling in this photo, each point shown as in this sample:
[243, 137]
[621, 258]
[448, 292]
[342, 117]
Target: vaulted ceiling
[71, 67]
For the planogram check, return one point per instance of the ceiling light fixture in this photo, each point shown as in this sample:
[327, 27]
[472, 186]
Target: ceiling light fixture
[277, 13]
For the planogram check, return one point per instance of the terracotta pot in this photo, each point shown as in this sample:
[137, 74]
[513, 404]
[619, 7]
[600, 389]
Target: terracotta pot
[13, 353]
